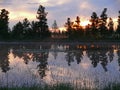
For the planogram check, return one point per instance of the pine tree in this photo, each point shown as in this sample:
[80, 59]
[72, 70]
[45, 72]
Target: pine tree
[118, 26]
[94, 25]
[102, 23]
[77, 23]
[69, 27]
[26, 28]
[43, 30]
[110, 27]
[17, 31]
[54, 26]
[4, 28]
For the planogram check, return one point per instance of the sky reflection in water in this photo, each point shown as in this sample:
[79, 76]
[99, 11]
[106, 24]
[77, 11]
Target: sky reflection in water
[82, 65]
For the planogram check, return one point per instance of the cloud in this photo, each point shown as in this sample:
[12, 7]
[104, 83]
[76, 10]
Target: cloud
[56, 2]
[21, 15]
[85, 5]
[59, 10]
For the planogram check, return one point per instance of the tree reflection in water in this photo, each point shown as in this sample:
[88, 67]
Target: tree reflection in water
[31, 54]
[74, 53]
[95, 54]
[99, 55]
[42, 59]
[111, 55]
[4, 60]
[118, 53]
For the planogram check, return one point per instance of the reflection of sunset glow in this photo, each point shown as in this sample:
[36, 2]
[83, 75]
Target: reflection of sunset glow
[115, 50]
[11, 57]
[85, 65]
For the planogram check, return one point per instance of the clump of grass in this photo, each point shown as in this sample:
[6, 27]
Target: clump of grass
[112, 86]
[46, 87]
[61, 86]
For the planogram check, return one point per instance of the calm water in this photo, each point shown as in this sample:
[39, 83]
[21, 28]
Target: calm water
[89, 65]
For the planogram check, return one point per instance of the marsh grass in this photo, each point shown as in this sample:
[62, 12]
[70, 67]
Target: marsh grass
[112, 86]
[62, 86]
[46, 87]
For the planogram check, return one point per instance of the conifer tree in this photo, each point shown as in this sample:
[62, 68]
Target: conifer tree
[43, 30]
[4, 28]
[17, 31]
[102, 23]
[69, 27]
[110, 27]
[54, 26]
[26, 28]
[118, 26]
[77, 23]
[94, 25]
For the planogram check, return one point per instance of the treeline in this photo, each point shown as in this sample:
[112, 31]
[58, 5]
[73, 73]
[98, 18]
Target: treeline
[25, 29]
[101, 27]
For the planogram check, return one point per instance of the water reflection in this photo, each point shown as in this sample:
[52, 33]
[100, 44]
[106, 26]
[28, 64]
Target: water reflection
[65, 62]
[118, 53]
[29, 53]
[4, 60]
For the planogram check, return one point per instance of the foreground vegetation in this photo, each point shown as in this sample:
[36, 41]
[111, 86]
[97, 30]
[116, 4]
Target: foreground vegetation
[62, 87]
[46, 87]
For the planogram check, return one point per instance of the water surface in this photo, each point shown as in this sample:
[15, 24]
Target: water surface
[82, 65]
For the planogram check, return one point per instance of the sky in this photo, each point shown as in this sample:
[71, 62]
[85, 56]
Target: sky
[58, 10]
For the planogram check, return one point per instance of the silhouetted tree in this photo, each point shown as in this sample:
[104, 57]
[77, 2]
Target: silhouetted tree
[21, 30]
[26, 28]
[118, 26]
[34, 29]
[78, 32]
[43, 30]
[4, 28]
[110, 27]
[69, 27]
[94, 25]
[102, 23]
[54, 26]
[17, 31]
[77, 25]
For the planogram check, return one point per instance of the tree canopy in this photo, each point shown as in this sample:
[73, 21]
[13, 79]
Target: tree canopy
[100, 27]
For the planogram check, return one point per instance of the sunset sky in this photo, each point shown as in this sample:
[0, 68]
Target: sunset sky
[59, 10]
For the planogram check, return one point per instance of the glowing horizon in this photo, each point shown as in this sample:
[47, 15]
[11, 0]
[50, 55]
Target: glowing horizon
[59, 10]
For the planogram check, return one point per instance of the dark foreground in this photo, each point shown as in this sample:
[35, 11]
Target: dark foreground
[61, 87]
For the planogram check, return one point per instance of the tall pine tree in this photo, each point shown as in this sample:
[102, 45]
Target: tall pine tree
[4, 18]
[118, 26]
[42, 27]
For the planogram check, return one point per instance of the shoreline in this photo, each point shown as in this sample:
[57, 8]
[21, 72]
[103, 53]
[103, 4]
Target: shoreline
[101, 42]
